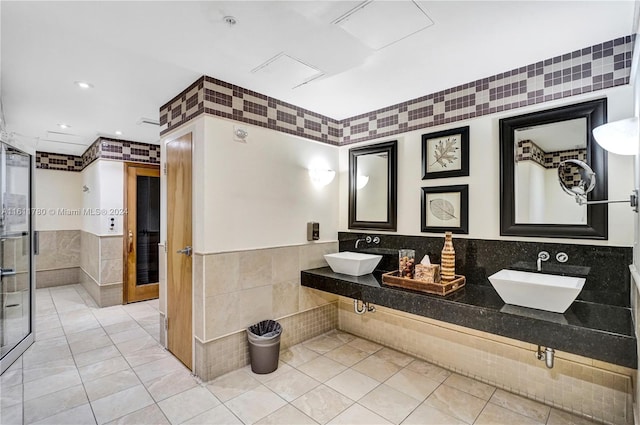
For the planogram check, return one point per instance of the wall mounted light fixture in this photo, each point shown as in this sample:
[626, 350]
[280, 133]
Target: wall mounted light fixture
[321, 176]
[361, 181]
[619, 137]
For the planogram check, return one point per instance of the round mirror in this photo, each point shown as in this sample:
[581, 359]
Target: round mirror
[576, 178]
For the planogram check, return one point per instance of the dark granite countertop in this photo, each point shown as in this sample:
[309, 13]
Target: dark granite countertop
[598, 331]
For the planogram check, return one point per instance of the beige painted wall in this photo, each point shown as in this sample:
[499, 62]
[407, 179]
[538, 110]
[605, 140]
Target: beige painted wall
[57, 191]
[258, 194]
[105, 180]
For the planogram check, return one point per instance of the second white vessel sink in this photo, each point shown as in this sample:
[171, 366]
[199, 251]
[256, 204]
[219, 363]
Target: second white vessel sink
[352, 263]
[537, 290]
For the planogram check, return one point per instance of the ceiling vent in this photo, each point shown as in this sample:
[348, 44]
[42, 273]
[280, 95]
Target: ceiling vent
[285, 70]
[379, 24]
[62, 137]
[149, 121]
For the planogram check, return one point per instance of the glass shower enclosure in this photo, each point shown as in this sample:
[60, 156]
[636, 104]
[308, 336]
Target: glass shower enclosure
[17, 298]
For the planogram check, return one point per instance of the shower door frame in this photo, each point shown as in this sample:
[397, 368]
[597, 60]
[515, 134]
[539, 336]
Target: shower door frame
[14, 353]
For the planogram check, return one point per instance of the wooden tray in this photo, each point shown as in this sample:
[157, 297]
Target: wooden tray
[443, 288]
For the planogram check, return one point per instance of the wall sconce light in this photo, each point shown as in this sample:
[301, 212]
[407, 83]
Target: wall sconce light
[321, 176]
[619, 137]
[361, 181]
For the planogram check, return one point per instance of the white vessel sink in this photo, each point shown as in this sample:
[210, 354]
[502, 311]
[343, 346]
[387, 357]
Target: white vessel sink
[352, 263]
[537, 290]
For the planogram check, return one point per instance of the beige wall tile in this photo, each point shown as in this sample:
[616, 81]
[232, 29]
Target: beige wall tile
[110, 294]
[59, 277]
[111, 271]
[90, 254]
[311, 255]
[90, 285]
[222, 315]
[68, 242]
[46, 258]
[111, 248]
[198, 296]
[255, 268]
[276, 271]
[311, 298]
[286, 264]
[256, 304]
[221, 273]
[285, 298]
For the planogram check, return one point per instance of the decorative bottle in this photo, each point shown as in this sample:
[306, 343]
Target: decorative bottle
[448, 259]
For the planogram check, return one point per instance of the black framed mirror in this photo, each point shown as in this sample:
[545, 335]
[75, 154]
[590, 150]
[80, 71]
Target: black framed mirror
[532, 202]
[373, 177]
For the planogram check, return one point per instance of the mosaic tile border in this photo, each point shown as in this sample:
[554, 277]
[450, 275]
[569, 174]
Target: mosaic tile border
[586, 70]
[211, 96]
[105, 148]
[527, 150]
[553, 159]
[55, 161]
[124, 150]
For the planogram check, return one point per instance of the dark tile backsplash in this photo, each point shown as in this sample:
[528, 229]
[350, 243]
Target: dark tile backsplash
[608, 278]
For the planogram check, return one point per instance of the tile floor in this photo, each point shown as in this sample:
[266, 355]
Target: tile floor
[105, 365]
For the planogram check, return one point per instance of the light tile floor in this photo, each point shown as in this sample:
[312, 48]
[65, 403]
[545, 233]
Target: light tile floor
[105, 365]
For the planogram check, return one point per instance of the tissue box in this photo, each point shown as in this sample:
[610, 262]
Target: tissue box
[427, 274]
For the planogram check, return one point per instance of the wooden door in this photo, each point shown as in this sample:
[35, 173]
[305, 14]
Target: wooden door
[141, 232]
[179, 289]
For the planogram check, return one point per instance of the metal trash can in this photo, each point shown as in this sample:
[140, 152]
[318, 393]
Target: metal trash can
[264, 346]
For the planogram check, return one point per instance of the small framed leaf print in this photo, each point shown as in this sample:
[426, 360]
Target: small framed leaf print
[445, 209]
[445, 153]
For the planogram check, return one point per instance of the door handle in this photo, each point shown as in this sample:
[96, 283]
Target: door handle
[186, 251]
[130, 241]
[7, 272]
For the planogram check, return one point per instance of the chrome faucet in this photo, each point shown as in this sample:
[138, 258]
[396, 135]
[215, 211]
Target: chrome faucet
[542, 256]
[368, 239]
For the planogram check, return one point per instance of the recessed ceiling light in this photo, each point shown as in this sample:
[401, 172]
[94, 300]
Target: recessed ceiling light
[63, 126]
[118, 133]
[83, 85]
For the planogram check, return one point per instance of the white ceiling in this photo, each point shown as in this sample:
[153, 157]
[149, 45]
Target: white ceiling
[138, 55]
[557, 136]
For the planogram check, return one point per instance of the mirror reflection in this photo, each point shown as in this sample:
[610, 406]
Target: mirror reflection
[539, 150]
[577, 179]
[532, 146]
[372, 183]
[373, 186]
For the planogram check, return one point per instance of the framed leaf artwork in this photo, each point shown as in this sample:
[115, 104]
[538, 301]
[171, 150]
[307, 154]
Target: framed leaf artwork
[445, 209]
[445, 153]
